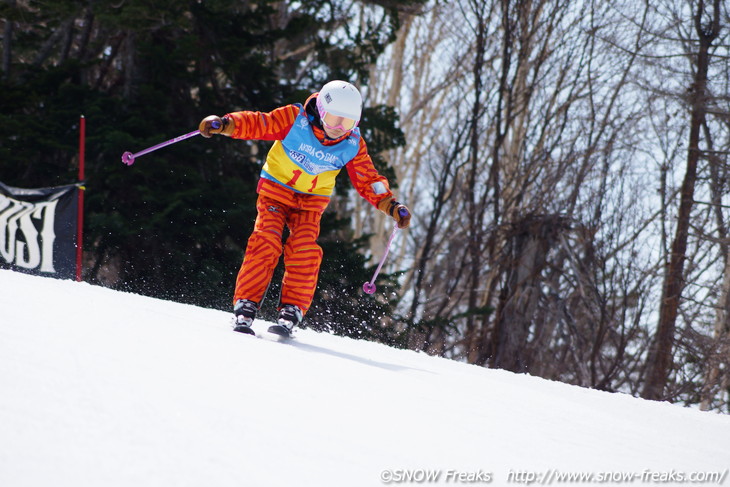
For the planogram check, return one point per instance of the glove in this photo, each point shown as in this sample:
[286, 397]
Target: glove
[398, 211]
[216, 125]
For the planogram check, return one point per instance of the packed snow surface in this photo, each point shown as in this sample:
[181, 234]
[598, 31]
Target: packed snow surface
[102, 388]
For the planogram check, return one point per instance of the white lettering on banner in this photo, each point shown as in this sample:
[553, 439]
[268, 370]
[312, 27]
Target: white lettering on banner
[19, 237]
[48, 235]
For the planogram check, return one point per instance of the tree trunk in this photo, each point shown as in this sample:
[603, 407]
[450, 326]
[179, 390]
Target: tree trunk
[659, 361]
[717, 356]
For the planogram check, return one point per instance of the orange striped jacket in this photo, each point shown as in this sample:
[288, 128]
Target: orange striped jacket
[275, 125]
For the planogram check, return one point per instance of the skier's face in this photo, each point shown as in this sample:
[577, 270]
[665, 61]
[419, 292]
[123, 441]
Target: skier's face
[335, 126]
[333, 133]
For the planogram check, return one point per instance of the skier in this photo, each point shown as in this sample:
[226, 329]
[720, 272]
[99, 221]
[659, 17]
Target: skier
[312, 143]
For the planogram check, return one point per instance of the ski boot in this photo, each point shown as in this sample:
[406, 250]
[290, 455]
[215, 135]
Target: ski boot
[289, 317]
[245, 312]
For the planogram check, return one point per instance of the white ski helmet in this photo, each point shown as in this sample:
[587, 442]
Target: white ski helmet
[340, 98]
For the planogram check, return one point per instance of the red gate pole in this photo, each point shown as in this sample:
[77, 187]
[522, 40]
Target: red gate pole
[80, 216]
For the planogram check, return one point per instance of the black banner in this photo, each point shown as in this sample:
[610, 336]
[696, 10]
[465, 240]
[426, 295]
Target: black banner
[38, 230]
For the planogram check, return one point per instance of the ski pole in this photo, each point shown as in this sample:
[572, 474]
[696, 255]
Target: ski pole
[369, 287]
[128, 158]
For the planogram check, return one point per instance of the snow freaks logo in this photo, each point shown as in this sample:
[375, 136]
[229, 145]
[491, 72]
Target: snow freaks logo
[426, 476]
[37, 229]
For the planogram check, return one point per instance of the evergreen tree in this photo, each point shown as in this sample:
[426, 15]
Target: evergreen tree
[174, 225]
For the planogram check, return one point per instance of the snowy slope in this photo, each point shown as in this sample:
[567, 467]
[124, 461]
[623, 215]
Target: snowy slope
[101, 388]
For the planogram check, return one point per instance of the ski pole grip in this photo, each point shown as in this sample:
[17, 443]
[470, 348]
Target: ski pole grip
[403, 212]
[215, 124]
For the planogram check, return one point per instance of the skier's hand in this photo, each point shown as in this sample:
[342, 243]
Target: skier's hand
[214, 124]
[400, 213]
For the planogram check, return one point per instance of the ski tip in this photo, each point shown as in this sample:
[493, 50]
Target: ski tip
[282, 331]
[244, 329]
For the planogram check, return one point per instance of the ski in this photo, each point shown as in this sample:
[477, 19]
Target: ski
[243, 328]
[280, 330]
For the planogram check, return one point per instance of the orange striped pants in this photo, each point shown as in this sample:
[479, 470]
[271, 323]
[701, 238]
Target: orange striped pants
[302, 254]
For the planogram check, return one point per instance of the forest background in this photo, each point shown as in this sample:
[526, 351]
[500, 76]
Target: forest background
[565, 162]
